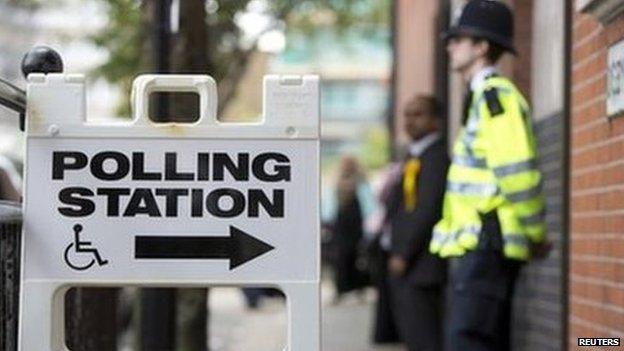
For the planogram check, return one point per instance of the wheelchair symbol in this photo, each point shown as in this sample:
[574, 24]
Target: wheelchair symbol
[76, 253]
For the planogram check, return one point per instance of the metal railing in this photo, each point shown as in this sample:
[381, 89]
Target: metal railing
[10, 238]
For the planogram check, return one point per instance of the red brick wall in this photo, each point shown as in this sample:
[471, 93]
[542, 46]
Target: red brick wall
[523, 28]
[518, 66]
[538, 304]
[597, 188]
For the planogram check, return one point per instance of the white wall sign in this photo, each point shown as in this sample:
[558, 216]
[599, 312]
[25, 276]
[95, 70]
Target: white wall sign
[615, 79]
[172, 204]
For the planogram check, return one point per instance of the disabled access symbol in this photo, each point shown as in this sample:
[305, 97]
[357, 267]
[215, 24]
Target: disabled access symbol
[81, 255]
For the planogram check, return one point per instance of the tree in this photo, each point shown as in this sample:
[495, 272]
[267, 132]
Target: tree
[226, 46]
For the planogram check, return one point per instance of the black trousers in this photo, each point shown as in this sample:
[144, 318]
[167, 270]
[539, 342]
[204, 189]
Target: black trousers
[481, 297]
[418, 314]
[384, 329]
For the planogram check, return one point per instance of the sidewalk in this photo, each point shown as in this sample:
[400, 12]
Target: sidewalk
[345, 327]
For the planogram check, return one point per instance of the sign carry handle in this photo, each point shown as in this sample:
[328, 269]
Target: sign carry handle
[202, 85]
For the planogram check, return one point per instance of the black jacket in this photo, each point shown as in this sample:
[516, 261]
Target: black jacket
[412, 230]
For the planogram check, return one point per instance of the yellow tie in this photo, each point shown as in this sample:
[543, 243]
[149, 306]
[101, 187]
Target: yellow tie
[410, 173]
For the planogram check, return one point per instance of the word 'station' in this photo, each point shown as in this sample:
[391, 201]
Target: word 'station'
[211, 168]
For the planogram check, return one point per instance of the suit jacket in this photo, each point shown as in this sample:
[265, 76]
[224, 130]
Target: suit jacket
[412, 230]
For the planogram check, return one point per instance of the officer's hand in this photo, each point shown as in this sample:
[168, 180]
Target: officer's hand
[397, 266]
[541, 250]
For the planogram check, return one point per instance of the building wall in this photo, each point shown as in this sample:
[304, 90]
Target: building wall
[456, 86]
[597, 186]
[547, 64]
[416, 36]
[524, 11]
[539, 302]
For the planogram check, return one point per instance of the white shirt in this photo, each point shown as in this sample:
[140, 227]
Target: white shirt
[419, 146]
[479, 78]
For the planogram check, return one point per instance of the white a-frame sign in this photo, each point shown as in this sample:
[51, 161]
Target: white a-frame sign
[139, 203]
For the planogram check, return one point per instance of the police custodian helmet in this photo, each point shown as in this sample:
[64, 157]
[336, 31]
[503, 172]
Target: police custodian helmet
[485, 19]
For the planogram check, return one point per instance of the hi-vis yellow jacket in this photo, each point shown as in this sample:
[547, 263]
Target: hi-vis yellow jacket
[494, 168]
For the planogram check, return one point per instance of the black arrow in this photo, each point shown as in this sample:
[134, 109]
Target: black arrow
[239, 247]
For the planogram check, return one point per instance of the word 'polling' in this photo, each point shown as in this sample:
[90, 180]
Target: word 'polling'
[196, 190]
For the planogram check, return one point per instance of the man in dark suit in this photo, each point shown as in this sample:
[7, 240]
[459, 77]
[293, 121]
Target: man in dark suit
[416, 277]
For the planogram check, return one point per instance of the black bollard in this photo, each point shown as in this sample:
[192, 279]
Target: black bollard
[10, 237]
[42, 59]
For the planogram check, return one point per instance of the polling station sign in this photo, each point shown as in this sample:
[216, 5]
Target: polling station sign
[173, 204]
[144, 204]
[189, 209]
[138, 203]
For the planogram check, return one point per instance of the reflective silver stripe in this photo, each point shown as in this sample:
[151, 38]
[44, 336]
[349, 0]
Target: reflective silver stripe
[516, 239]
[474, 113]
[472, 188]
[440, 237]
[525, 194]
[468, 139]
[537, 218]
[468, 142]
[471, 230]
[515, 168]
[474, 118]
[469, 161]
[472, 125]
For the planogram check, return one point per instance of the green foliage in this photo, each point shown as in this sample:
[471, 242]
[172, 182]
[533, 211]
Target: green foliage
[228, 53]
[376, 149]
[310, 15]
[123, 38]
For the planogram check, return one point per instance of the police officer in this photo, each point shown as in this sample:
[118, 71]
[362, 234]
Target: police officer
[493, 212]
